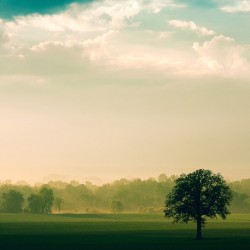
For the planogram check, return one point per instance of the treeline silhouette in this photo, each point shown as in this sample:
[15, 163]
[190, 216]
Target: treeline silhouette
[128, 196]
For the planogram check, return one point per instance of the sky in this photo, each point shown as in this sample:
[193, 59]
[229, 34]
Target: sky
[104, 89]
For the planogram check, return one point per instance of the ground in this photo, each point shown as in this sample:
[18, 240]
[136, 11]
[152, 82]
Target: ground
[119, 231]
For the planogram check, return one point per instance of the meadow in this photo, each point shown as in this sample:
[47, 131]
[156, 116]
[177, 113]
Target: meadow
[119, 231]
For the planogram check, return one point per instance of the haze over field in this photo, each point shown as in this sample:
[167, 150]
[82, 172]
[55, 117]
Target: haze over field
[113, 89]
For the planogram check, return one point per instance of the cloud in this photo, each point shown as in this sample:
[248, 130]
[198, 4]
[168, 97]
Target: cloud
[79, 18]
[94, 50]
[189, 25]
[157, 5]
[98, 16]
[158, 34]
[110, 53]
[86, 41]
[79, 22]
[10, 8]
[237, 6]
[221, 55]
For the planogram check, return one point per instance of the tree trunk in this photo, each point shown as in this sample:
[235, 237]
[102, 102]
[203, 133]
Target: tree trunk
[198, 232]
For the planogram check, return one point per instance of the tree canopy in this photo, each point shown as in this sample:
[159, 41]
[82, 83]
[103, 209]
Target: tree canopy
[47, 197]
[35, 203]
[12, 201]
[42, 202]
[196, 196]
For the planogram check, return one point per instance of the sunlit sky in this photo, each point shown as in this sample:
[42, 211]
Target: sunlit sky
[99, 90]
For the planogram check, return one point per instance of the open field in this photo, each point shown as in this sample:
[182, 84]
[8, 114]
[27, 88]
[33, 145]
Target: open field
[125, 231]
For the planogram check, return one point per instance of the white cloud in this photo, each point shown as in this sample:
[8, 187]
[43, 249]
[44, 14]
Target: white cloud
[221, 55]
[82, 31]
[82, 20]
[100, 47]
[237, 6]
[157, 5]
[189, 25]
[96, 38]
[95, 50]
[79, 22]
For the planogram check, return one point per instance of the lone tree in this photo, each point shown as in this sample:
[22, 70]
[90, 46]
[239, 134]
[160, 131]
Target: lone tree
[196, 196]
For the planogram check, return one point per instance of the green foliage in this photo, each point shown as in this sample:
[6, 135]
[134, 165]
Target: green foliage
[42, 202]
[12, 201]
[35, 203]
[47, 198]
[240, 203]
[196, 196]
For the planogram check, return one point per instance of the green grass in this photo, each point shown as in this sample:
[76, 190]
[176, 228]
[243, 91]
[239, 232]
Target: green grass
[125, 231]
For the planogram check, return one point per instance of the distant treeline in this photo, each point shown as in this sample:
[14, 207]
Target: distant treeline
[135, 196]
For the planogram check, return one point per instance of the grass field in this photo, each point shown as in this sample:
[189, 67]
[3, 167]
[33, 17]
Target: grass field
[125, 231]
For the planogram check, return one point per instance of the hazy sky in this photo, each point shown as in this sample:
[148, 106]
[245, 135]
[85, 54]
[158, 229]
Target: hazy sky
[128, 88]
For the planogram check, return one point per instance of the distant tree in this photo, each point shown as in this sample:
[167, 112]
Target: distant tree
[35, 203]
[12, 201]
[47, 198]
[58, 203]
[117, 206]
[240, 203]
[196, 196]
[162, 178]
